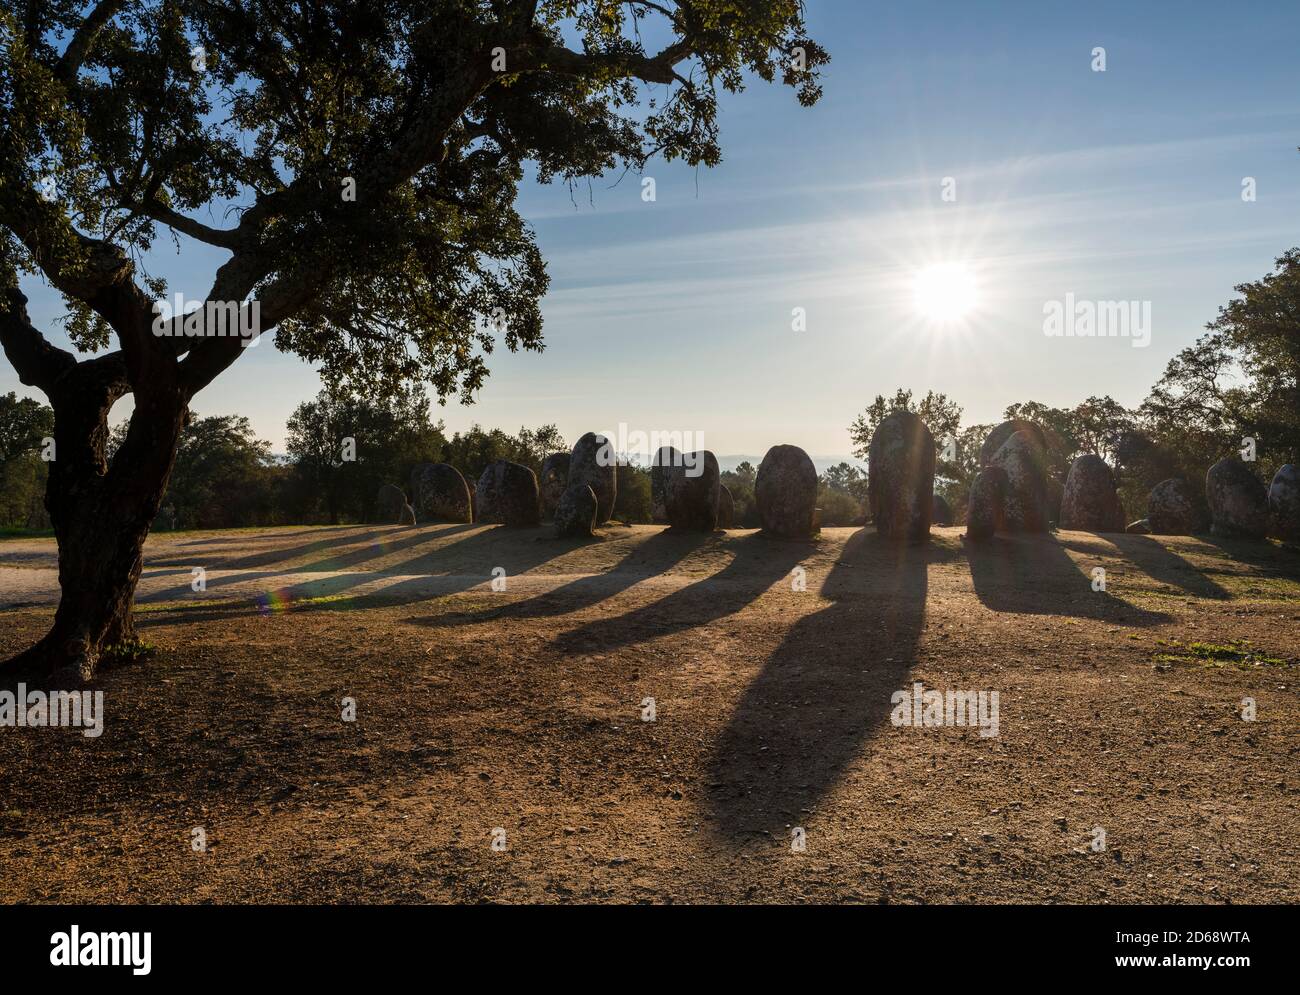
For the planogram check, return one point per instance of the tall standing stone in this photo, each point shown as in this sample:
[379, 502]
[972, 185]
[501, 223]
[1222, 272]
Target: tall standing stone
[553, 481]
[1238, 502]
[1091, 502]
[592, 464]
[507, 493]
[441, 494]
[1174, 509]
[785, 491]
[1284, 503]
[986, 514]
[1023, 459]
[900, 477]
[691, 492]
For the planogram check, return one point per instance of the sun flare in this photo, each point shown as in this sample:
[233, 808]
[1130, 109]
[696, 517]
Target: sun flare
[944, 292]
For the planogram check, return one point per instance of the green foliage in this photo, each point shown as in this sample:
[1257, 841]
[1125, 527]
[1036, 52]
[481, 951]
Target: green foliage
[433, 108]
[470, 452]
[23, 424]
[940, 415]
[389, 434]
[740, 482]
[632, 503]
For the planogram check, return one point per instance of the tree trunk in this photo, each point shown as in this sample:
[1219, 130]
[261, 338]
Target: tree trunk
[101, 515]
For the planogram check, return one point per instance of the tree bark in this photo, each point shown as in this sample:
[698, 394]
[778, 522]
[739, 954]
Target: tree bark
[101, 514]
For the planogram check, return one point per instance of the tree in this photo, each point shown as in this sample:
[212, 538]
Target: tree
[24, 423]
[1242, 380]
[471, 451]
[940, 415]
[222, 476]
[343, 448]
[369, 155]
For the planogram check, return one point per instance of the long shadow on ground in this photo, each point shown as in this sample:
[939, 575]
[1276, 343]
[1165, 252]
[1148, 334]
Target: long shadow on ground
[758, 563]
[1033, 575]
[825, 689]
[657, 555]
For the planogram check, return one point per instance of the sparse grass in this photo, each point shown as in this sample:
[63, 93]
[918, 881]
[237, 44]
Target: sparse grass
[127, 652]
[1237, 652]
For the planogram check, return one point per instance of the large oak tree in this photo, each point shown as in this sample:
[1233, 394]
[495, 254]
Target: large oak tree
[243, 124]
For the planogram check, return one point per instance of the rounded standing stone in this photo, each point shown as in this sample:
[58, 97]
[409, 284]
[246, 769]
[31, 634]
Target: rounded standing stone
[575, 512]
[1174, 509]
[900, 477]
[1284, 502]
[726, 508]
[507, 493]
[691, 492]
[441, 494]
[986, 515]
[553, 482]
[390, 504]
[785, 490]
[1238, 502]
[999, 435]
[592, 463]
[1023, 459]
[1091, 502]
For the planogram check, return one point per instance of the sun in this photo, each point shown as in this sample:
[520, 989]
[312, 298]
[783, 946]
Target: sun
[944, 292]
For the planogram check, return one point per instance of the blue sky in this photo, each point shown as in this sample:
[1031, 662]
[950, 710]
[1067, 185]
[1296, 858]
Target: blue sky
[1117, 185]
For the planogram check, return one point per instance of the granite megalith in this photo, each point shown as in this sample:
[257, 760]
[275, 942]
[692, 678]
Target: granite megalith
[507, 493]
[785, 491]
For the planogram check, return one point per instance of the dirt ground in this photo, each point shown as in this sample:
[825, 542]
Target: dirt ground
[518, 715]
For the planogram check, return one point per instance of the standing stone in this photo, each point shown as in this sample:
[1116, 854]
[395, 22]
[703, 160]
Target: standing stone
[1173, 509]
[553, 481]
[726, 508]
[1238, 502]
[900, 477]
[592, 464]
[441, 494]
[785, 491]
[1091, 502]
[986, 514]
[1284, 503]
[940, 511]
[691, 492]
[998, 436]
[507, 493]
[1025, 508]
[389, 503]
[665, 457]
[413, 483]
[575, 512]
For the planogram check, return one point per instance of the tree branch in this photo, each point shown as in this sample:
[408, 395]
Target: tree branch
[74, 55]
[38, 363]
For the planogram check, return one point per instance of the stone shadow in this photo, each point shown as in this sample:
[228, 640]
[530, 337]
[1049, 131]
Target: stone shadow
[824, 691]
